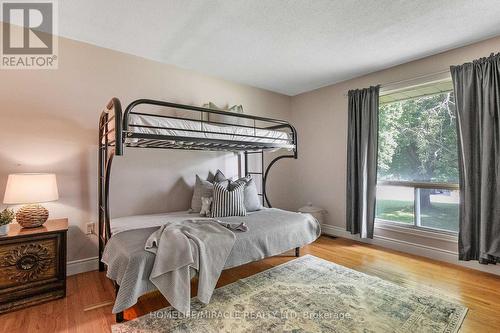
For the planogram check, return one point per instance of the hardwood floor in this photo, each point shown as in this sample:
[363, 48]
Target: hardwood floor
[480, 292]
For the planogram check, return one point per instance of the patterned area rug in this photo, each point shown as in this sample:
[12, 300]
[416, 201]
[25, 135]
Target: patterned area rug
[309, 294]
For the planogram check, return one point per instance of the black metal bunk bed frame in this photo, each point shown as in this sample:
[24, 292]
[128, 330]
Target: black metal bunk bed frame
[115, 128]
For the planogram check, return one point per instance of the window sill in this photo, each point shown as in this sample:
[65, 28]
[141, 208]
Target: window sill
[442, 235]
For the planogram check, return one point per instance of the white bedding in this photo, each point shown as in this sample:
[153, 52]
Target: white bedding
[121, 224]
[126, 223]
[220, 132]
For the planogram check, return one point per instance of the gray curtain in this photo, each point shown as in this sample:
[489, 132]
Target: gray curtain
[362, 143]
[477, 94]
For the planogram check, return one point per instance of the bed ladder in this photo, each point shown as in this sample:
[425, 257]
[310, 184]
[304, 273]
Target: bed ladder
[257, 173]
[264, 174]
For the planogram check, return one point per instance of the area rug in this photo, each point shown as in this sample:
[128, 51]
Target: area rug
[309, 294]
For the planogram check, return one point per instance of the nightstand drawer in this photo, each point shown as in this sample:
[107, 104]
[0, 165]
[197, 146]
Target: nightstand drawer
[32, 265]
[24, 262]
[39, 270]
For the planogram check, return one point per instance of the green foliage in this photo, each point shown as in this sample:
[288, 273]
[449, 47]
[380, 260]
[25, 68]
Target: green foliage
[418, 140]
[6, 216]
[395, 210]
[439, 215]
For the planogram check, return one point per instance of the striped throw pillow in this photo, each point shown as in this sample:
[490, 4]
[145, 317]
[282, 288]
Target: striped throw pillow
[228, 202]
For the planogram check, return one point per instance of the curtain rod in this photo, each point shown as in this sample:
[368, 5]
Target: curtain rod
[423, 76]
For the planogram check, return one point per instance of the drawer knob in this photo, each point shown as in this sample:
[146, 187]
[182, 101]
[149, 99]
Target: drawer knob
[26, 262]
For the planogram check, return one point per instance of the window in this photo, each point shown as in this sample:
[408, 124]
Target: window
[418, 158]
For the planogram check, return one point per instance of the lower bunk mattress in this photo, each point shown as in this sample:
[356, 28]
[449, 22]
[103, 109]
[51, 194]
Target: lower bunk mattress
[271, 231]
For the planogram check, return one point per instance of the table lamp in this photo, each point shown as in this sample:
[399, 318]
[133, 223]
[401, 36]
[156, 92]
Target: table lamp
[31, 189]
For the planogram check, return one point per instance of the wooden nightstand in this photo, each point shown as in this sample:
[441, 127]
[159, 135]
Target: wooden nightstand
[32, 265]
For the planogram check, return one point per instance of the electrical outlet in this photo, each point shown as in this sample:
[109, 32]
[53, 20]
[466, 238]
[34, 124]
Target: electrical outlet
[90, 228]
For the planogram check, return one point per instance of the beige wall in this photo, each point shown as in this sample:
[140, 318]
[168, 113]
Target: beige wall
[49, 122]
[320, 117]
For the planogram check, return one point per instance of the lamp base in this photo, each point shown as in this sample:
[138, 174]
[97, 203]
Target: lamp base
[31, 216]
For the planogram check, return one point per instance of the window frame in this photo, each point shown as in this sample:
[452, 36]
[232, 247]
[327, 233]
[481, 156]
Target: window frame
[416, 225]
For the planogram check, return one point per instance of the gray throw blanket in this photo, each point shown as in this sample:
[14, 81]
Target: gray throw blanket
[203, 245]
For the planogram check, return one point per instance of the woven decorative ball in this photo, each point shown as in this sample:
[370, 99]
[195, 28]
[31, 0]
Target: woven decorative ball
[31, 216]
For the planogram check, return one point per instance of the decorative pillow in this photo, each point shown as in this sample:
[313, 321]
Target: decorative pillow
[228, 202]
[202, 188]
[237, 109]
[210, 177]
[219, 177]
[251, 194]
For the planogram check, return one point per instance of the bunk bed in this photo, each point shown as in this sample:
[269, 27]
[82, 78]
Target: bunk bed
[191, 128]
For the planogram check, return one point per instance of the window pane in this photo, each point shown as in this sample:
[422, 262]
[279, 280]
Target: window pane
[439, 209]
[418, 140]
[417, 143]
[395, 203]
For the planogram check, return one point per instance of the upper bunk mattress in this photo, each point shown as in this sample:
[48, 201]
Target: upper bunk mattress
[183, 127]
[271, 231]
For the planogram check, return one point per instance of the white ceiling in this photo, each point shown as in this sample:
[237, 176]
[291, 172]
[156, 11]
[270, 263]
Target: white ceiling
[284, 46]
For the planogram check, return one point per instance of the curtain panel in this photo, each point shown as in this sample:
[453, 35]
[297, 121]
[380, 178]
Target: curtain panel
[477, 95]
[362, 144]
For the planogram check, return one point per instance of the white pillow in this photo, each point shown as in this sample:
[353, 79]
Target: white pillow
[237, 109]
[251, 194]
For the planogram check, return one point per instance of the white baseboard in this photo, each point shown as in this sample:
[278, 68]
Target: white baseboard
[412, 248]
[82, 265]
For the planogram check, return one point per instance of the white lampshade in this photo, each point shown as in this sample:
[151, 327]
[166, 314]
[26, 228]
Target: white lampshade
[28, 188]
